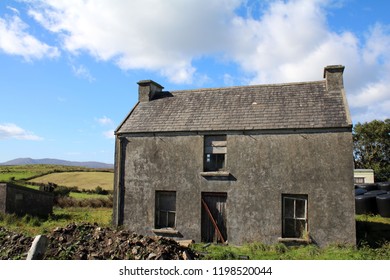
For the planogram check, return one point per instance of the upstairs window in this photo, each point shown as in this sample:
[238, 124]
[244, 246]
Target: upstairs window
[294, 216]
[165, 209]
[215, 153]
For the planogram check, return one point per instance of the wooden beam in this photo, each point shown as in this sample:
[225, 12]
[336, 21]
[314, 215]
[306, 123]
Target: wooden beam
[213, 221]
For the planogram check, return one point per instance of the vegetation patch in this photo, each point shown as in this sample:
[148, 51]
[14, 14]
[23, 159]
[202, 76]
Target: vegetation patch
[29, 226]
[96, 202]
[32, 226]
[80, 180]
[259, 251]
[29, 171]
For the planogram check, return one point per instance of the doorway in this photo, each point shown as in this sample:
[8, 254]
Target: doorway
[214, 219]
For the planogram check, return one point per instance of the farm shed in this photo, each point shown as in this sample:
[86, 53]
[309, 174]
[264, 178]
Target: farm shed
[363, 176]
[21, 200]
[240, 164]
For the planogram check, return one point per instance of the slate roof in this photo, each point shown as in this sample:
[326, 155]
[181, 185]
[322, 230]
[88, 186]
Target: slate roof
[259, 107]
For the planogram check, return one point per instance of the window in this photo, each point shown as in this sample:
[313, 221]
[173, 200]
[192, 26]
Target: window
[214, 153]
[359, 180]
[294, 216]
[165, 209]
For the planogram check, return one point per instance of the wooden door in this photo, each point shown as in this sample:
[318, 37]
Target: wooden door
[214, 219]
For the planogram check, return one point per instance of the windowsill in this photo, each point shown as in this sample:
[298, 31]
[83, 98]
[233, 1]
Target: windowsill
[165, 231]
[215, 174]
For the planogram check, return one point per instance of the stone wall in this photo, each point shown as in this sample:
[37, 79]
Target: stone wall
[21, 200]
[3, 195]
[262, 167]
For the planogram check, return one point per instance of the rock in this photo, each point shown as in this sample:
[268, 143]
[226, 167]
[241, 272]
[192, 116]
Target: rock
[38, 248]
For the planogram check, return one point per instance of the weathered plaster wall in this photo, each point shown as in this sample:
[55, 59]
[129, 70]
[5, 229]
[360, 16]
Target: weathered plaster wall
[263, 167]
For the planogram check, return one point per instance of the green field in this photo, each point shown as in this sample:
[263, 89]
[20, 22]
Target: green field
[81, 180]
[24, 172]
[61, 217]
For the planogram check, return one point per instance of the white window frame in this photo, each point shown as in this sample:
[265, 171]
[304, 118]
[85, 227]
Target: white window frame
[159, 212]
[295, 218]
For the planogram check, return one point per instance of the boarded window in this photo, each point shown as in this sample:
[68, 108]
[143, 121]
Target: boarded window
[294, 216]
[215, 153]
[165, 209]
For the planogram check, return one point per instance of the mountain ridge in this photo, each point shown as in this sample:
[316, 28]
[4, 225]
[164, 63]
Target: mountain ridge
[27, 161]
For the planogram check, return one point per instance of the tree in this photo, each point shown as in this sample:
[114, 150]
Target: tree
[371, 147]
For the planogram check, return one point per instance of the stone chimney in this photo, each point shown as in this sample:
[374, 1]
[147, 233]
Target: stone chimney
[334, 77]
[147, 89]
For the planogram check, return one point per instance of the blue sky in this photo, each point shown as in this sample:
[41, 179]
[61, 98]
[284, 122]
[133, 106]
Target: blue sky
[69, 69]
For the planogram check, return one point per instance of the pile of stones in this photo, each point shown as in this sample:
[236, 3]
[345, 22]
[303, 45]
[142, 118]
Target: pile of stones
[91, 242]
[13, 245]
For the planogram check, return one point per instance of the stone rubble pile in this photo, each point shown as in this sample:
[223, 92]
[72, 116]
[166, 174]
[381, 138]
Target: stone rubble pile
[13, 245]
[91, 242]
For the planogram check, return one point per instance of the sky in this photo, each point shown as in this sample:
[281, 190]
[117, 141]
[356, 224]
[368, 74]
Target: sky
[69, 69]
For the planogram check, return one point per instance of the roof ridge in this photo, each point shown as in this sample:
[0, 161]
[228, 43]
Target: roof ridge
[247, 86]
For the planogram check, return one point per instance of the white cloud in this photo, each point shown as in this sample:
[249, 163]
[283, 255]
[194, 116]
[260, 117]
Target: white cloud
[15, 40]
[109, 134]
[228, 79]
[287, 41]
[104, 121]
[9, 130]
[16, 11]
[163, 36]
[82, 72]
[292, 42]
[107, 122]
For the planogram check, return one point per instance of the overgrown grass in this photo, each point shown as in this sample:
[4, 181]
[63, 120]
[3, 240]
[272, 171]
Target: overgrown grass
[259, 251]
[32, 226]
[373, 236]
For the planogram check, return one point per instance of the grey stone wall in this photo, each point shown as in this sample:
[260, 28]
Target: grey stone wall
[3, 195]
[21, 200]
[262, 168]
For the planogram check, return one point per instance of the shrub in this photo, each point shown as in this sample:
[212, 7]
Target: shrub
[65, 202]
[99, 190]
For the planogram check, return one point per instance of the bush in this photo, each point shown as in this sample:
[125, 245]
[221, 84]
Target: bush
[99, 190]
[61, 191]
[65, 202]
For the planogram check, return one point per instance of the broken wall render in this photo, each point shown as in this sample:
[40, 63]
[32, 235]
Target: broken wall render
[263, 167]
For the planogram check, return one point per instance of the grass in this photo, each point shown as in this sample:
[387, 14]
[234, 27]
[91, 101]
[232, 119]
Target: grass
[260, 251]
[373, 234]
[32, 226]
[82, 195]
[81, 180]
[24, 172]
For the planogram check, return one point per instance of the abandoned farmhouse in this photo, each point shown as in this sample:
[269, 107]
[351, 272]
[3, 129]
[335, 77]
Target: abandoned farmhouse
[267, 163]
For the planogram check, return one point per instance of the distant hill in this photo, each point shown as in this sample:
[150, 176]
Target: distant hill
[89, 164]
